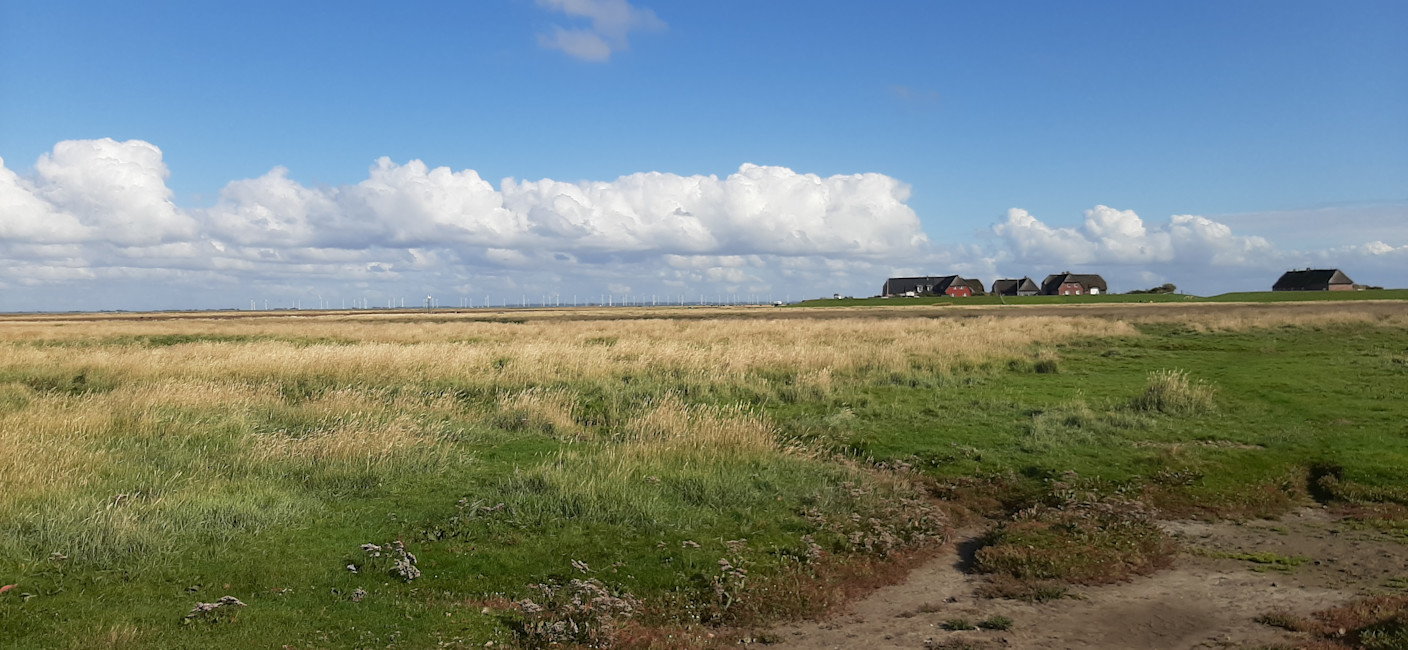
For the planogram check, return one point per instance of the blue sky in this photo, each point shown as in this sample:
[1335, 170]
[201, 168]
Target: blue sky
[1210, 144]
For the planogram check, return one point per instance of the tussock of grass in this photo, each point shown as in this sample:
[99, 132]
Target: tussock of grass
[1172, 393]
[552, 411]
[671, 426]
[1076, 423]
[1043, 362]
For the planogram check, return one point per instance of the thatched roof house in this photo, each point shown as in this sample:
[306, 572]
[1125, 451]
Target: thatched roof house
[1073, 284]
[1022, 287]
[1314, 280]
[946, 285]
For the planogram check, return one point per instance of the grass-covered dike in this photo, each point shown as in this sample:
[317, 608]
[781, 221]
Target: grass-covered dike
[355, 481]
[1111, 298]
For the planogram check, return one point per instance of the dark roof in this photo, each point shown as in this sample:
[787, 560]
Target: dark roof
[935, 283]
[1052, 284]
[1310, 279]
[1010, 287]
[902, 285]
[950, 281]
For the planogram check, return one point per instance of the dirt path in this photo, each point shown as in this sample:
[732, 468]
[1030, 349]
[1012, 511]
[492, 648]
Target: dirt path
[1206, 600]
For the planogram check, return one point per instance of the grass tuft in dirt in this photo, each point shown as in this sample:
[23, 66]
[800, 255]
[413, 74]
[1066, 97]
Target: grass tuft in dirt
[1375, 623]
[1264, 561]
[1028, 590]
[996, 622]
[1285, 621]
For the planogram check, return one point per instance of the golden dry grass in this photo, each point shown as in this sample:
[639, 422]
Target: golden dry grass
[673, 427]
[47, 443]
[367, 389]
[530, 353]
[66, 381]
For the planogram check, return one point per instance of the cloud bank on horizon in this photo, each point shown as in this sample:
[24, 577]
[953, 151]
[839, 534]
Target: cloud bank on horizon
[94, 226]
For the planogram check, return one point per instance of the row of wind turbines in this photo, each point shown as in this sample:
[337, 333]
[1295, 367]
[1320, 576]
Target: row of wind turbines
[542, 301]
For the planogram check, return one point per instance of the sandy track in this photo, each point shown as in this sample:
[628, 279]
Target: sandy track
[1201, 602]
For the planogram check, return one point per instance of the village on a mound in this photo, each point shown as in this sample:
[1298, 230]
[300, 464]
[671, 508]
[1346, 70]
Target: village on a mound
[1087, 284]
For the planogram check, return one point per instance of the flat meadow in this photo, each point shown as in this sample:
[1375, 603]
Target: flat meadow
[649, 477]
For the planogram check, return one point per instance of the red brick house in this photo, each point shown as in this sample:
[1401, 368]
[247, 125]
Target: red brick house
[1073, 284]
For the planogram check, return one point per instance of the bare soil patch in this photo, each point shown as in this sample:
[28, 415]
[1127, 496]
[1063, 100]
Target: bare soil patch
[1227, 575]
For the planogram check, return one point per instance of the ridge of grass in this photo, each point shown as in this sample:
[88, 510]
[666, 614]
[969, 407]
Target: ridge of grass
[1111, 298]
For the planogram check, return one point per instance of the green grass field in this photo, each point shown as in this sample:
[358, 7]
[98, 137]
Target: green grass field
[704, 475]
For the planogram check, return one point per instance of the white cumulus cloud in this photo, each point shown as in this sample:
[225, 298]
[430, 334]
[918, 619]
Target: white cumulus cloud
[1110, 236]
[757, 210]
[96, 219]
[116, 190]
[1196, 252]
[99, 211]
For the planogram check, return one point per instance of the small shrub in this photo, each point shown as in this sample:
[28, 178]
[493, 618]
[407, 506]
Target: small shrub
[1172, 393]
[394, 558]
[957, 624]
[581, 612]
[1078, 536]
